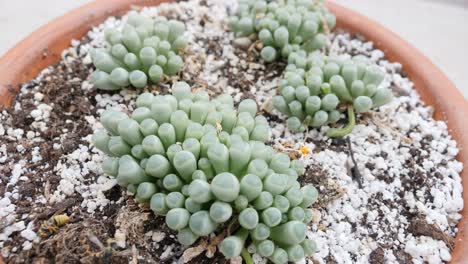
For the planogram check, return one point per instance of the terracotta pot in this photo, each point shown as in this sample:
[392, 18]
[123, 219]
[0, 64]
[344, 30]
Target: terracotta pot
[44, 46]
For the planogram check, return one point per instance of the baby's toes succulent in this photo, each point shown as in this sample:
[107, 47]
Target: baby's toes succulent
[139, 53]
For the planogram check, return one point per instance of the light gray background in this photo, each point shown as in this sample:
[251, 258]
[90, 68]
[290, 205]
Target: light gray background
[439, 28]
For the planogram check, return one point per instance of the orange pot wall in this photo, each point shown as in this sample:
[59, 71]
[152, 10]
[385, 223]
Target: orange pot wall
[44, 46]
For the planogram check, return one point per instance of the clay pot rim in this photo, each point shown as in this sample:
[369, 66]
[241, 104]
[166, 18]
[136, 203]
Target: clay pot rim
[44, 46]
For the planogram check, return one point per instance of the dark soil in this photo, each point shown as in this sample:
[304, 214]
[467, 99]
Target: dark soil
[86, 238]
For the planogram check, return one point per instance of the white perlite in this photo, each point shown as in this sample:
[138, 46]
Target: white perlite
[74, 173]
[389, 142]
[391, 147]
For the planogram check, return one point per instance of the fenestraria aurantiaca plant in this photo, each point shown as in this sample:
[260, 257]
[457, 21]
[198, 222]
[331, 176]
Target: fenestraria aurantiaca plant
[201, 163]
[283, 26]
[144, 50]
[316, 88]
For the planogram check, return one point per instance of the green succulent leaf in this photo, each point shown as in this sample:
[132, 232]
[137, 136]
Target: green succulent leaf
[146, 49]
[201, 163]
[316, 89]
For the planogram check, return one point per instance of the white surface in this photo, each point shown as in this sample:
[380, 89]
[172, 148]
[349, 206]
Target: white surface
[438, 28]
[19, 18]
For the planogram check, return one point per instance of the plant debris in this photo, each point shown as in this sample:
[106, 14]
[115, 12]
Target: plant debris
[354, 170]
[377, 256]
[420, 227]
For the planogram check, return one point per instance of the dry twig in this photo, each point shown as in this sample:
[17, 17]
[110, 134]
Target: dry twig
[355, 170]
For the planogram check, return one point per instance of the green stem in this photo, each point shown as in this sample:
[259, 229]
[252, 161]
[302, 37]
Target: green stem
[246, 256]
[242, 233]
[307, 121]
[341, 132]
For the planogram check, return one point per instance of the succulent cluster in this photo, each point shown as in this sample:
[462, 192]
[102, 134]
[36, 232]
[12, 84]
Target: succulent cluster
[144, 50]
[200, 163]
[316, 87]
[283, 26]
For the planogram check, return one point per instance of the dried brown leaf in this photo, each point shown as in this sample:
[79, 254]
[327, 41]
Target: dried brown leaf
[214, 242]
[191, 253]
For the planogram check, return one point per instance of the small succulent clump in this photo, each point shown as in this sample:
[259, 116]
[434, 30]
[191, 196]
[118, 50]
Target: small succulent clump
[315, 89]
[144, 50]
[201, 163]
[283, 26]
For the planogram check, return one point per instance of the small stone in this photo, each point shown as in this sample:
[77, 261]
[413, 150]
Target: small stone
[120, 239]
[30, 135]
[27, 245]
[243, 43]
[316, 216]
[38, 96]
[36, 114]
[28, 234]
[158, 236]
[236, 260]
